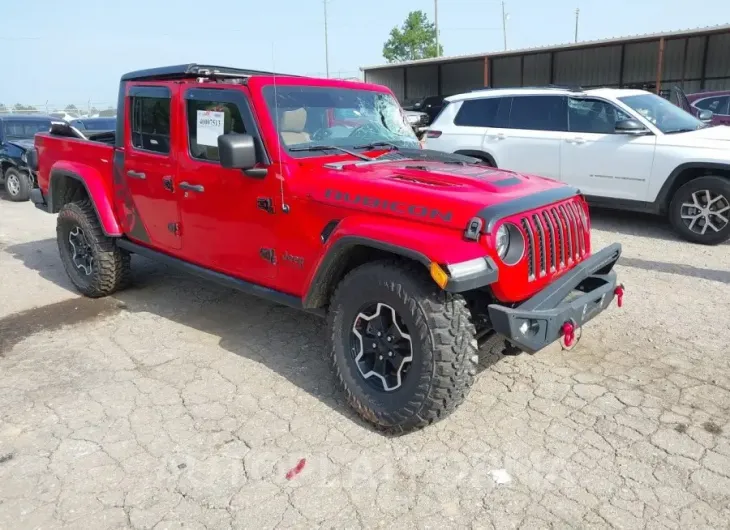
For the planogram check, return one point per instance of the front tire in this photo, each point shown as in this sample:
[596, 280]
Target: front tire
[700, 210]
[17, 185]
[419, 380]
[96, 266]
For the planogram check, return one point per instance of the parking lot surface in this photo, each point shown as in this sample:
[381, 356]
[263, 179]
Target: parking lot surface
[177, 403]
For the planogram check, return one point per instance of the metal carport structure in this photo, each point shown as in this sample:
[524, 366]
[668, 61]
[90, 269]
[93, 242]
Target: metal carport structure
[696, 60]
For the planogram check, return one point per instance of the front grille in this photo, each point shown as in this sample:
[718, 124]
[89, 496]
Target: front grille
[555, 239]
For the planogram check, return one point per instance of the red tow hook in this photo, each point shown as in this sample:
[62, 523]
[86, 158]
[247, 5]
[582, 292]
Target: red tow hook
[619, 292]
[568, 334]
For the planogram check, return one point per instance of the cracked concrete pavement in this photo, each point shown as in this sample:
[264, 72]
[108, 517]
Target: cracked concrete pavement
[180, 404]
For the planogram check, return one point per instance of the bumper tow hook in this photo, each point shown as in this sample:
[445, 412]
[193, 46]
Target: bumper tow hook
[568, 330]
[619, 292]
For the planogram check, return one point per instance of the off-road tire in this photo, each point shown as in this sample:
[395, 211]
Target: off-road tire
[715, 185]
[22, 193]
[444, 345]
[111, 270]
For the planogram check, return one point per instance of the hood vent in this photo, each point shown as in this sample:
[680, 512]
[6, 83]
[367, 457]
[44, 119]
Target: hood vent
[424, 182]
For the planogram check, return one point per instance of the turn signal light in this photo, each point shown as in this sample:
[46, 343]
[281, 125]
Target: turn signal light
[439, 275]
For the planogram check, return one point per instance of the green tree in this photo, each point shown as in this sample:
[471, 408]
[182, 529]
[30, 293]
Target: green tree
[24, 108]
[3, 108]
[415, 39]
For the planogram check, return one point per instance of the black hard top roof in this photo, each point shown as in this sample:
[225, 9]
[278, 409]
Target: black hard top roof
[184, 71]
[25, 117]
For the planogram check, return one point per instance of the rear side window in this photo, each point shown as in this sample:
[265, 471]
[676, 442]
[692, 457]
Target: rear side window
[151, 124]
[478, 113]
[539, 113]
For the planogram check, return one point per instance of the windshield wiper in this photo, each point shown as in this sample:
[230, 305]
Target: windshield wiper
[682, 130]
[330, 148]
[373, 145]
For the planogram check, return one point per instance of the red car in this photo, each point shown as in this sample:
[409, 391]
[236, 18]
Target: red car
[417, 258]
[717, 102]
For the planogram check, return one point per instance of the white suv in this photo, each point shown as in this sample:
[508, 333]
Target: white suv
[627, 149]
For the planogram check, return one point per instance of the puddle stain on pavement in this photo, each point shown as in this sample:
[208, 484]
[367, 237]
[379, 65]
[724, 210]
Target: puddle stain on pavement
[18, 326]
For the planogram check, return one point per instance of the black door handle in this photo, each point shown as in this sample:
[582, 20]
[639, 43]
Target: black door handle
[136, 175]
[192, 187]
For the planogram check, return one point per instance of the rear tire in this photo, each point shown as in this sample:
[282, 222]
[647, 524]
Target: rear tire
[442, 343]
[700, 210]
[17, 185]
[96, 266]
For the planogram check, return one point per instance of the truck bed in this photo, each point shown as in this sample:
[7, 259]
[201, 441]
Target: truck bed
[74, 154]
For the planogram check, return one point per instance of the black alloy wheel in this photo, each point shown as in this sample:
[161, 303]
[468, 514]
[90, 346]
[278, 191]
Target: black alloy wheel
[381, 346]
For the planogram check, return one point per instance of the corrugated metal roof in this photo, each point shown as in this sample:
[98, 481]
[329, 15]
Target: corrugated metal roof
[582, 44]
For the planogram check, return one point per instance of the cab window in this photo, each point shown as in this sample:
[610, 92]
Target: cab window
[206, 121]
[151, 124]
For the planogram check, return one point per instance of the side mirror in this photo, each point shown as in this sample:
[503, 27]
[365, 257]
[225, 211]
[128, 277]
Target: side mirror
[237, 151]
[630, 127]
[705, 115]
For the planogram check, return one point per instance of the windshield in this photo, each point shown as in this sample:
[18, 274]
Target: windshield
[666, 116]
[100, 124]
[340, 117]
[24, 130]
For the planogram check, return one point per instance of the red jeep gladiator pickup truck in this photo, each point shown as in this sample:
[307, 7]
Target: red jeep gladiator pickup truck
[416, 257]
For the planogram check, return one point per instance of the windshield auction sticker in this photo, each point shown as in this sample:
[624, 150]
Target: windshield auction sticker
[210, 127]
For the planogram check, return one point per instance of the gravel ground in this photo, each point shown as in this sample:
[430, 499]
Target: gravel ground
[180, 404]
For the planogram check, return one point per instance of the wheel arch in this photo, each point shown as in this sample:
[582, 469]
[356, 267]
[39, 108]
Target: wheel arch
[685, 173]
[66, 185]
[481, 155]
[344, 255]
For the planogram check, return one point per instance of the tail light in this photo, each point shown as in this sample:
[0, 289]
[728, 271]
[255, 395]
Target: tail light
[433, 134]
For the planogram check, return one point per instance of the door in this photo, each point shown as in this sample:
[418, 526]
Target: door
[599, 161]
[228, 218]
[149, 168]
[718, 105]
[528, 133]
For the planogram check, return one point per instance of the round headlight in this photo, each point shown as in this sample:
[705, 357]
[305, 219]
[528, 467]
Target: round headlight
[509, 243]
[502, 241]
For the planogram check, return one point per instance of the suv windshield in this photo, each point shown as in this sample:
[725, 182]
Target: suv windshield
[664, 115]
[309, 116]
[25, 129]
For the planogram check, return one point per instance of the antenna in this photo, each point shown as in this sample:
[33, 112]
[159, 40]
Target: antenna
[284, 205]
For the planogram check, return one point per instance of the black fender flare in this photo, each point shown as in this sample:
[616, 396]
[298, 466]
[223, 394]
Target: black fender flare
[665, 193]
[334, 260]
[477, 154]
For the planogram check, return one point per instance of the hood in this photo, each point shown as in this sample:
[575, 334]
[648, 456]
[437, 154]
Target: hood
[425, 191]
[717, 137]
[22, 143]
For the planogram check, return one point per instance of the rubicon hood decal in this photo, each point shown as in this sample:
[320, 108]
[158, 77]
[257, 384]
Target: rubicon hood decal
[377, 203]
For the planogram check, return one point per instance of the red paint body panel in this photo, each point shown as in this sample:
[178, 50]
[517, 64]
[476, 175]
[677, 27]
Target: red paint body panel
[422, 206]
[92, 162]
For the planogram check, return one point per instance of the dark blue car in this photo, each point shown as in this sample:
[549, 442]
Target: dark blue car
[16, 139]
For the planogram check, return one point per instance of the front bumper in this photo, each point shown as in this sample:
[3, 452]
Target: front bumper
[538, 322]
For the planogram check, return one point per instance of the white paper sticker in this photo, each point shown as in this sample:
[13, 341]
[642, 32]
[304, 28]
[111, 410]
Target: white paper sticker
[210, 127]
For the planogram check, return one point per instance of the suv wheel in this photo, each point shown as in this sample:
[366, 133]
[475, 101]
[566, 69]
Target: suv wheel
[17, 185]
[404, 352]
[96, 266]
[700, 210]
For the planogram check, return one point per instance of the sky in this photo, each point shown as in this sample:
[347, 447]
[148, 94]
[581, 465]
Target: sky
[74, 51]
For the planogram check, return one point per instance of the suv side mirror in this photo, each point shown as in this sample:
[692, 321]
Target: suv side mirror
[237, 151]
[705, 115]
[630, 127]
